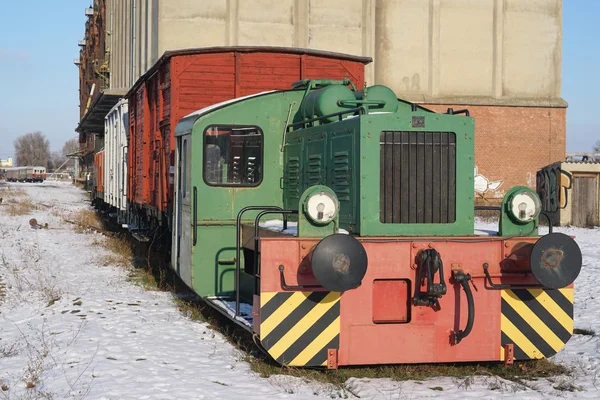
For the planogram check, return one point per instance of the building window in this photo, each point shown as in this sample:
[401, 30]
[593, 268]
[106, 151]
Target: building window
[233, 155]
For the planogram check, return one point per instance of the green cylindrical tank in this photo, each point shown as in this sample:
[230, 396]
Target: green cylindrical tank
[326, 101]
[382, 93]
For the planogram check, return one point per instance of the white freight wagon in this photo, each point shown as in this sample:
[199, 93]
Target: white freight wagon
[116, 134]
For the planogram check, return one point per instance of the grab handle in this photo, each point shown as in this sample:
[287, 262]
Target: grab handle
[463, 279]
[195, 216]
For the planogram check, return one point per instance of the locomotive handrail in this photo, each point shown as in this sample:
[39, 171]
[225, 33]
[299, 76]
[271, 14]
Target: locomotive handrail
[488, 208]
[361, 110]
[499, 286]
[498, 208]
[285, 286]
[238, 223]
[451, 111]
[463, 279]
[545, 214]
[195, 216]
[256, 226]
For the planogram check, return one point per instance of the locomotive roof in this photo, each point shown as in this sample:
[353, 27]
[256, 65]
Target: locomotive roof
[186, 123]
[244, 49]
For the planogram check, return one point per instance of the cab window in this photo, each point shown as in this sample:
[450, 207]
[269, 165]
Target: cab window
[233, 155]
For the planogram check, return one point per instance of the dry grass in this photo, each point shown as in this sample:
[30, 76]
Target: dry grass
[86, 220]
[20, 207]
[120, 248]
[16, 202]
[519, 372]
[584, 331]
[12, 192]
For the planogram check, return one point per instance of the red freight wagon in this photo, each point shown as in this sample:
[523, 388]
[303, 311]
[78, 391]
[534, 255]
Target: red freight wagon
[184, 81]
[99, 175]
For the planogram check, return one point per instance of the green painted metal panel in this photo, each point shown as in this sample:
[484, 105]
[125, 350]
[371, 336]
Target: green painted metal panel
[371, 128]
[218, 206]
[328, 155]
[353, 171]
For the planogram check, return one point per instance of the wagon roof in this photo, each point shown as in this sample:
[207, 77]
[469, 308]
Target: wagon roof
[244, 49]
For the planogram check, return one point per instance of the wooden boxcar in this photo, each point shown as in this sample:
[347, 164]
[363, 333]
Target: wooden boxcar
[98, 190]
[184, 81]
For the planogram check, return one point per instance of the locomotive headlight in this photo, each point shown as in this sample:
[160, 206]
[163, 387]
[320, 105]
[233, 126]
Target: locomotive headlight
[525, 206]
[321, 207]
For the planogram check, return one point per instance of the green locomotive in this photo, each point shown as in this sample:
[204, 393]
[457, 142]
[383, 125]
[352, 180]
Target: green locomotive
[375, 197]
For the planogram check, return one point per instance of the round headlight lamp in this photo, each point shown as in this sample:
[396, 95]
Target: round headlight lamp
[321, 207]
[525, 206]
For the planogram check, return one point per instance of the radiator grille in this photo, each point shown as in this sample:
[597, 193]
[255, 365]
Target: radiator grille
[418, 177]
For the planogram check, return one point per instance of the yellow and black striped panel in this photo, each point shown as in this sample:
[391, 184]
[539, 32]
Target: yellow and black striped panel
[538, 322]
[297, 328]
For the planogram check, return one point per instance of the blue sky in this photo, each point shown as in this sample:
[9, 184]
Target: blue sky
[39, 86]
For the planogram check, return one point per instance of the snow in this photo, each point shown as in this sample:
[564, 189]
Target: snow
[77, 328]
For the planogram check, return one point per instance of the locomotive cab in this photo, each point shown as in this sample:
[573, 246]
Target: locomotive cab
[370, 255]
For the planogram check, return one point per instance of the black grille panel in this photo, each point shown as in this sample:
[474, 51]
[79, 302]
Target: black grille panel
[418, 177]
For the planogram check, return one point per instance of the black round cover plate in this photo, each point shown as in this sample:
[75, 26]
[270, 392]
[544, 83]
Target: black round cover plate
[339, 262]
[555, 260]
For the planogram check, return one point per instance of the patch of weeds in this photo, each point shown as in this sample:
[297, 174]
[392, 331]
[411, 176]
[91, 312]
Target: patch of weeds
[144, 278]
[526, 370]
[4, 387]
[12, 192]
[567, 387]
[220, 383]
[9, 350]
[52, 301]
[587, 332]
[111, 358]
[438, 388]
[78, 303]
[121, 249]
[85, 221]
[191, 308]
[20, 207]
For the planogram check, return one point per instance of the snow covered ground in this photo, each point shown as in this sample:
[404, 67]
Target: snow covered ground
[72, 327]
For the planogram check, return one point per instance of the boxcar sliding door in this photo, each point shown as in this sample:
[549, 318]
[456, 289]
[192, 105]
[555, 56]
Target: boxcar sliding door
[184, 208]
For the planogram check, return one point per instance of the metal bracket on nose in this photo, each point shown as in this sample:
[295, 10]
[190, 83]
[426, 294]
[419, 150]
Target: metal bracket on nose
[285, 286]
[488, 279]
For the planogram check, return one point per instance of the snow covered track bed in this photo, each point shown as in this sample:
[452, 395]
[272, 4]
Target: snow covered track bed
[73, 327]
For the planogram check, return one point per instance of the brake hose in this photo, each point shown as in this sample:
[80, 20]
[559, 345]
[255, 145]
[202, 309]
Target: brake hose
[463, 279]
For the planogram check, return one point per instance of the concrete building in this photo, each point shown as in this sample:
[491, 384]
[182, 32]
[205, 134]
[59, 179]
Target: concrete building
[499, 58]
[6, 163]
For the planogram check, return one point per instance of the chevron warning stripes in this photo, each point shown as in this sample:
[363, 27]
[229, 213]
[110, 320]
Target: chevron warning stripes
[538, 322]
[297, 328]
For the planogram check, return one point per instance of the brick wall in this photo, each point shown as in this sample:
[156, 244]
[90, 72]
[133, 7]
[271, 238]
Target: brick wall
[513, 143]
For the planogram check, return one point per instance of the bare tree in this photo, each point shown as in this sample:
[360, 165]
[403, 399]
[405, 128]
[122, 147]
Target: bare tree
[58, 159]
[597, 147]
[55, 160]
[32, 149]
[70, 147]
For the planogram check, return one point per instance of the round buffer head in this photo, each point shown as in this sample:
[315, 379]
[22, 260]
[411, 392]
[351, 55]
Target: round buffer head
[339, 262]
[555, 260]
